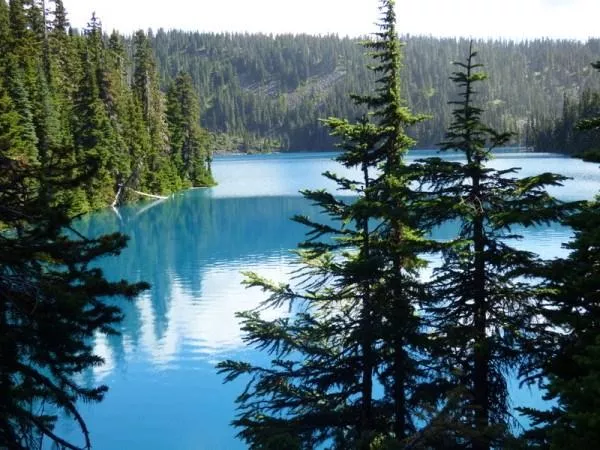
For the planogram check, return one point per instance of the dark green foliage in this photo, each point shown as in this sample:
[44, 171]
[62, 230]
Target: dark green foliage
[70, 129]
[80, 114]
[569, 362]
[51, 299]
[354, 296]
[576, 130]
[591, 155]
[60, 22]
[159, 170]
[568, 357]
[51, 307]
[275, 87]
[482, 313]
[189, 143]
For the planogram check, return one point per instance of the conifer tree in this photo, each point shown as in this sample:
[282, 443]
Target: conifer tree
[568, 363]
[94, 139]
[593, 123]
[355, 298]
[482, 313]
[189, 142]
[402, 237]
[160, 174]
[60, 23]
[4, 29]
[51, 300]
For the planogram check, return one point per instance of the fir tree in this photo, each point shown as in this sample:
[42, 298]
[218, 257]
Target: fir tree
[482, 312]
[51, 300]
[60, 23]
[401, 239]
[568, 363]
[94, 140]
[189, 142]
[356, 296]
[593, 123]
[160, 174]
[4, 29]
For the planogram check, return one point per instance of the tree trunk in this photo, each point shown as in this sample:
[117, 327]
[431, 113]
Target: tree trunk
[481, 351]
[366, 422]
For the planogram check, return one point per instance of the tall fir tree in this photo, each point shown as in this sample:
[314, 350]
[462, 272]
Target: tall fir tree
[482, 312]
[402, 238]
[189, 142]
[160, 173]
[568, 366]
[356, 295]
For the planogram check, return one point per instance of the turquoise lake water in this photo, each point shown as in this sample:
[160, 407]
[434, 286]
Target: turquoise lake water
[164, 390]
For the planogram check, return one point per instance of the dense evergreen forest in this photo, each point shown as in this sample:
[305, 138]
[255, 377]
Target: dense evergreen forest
[70, 129]
[374, 356]
[269, 91]
[78, 101]
[575, 130]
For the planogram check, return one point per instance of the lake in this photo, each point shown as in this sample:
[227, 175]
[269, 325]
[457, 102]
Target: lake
[164, 390]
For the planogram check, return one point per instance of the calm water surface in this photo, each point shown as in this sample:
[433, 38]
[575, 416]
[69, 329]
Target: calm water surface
[164, 391]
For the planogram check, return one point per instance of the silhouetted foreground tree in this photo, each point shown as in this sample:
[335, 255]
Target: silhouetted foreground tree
[52, 299]
[482, 313]
[51, 305]
[356, 323]
[568, 366]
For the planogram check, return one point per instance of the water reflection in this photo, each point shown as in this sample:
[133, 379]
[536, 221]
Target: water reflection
[164, 392]
[192, 248]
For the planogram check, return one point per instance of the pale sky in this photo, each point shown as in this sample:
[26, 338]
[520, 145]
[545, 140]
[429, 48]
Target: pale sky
[576, 19]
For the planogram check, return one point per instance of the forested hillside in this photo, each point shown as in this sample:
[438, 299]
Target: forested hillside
[75, 104]
[128, 109]
[270, 91]
[576, 129]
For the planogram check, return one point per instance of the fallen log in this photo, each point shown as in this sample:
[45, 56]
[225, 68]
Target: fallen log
[162, 197]
[118, 196]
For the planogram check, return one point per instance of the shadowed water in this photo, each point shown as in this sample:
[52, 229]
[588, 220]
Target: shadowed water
[164, 391]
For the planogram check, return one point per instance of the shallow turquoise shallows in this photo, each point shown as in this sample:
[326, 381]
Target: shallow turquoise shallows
[164, 390]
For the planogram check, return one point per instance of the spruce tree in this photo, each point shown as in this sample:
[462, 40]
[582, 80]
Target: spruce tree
[51, 299]
[568, 364]
[159, 172]
[593, 123]
[402, 235]
[60, 23]
[189, 142]
[4, 28]
[482, 311]
[354, 296]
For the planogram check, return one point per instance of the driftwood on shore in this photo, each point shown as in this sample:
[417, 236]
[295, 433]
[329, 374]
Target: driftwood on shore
[162, 197]
[159, 200]
[120, 192]
[117, 196]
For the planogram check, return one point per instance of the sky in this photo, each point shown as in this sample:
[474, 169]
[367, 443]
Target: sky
[514, 19]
